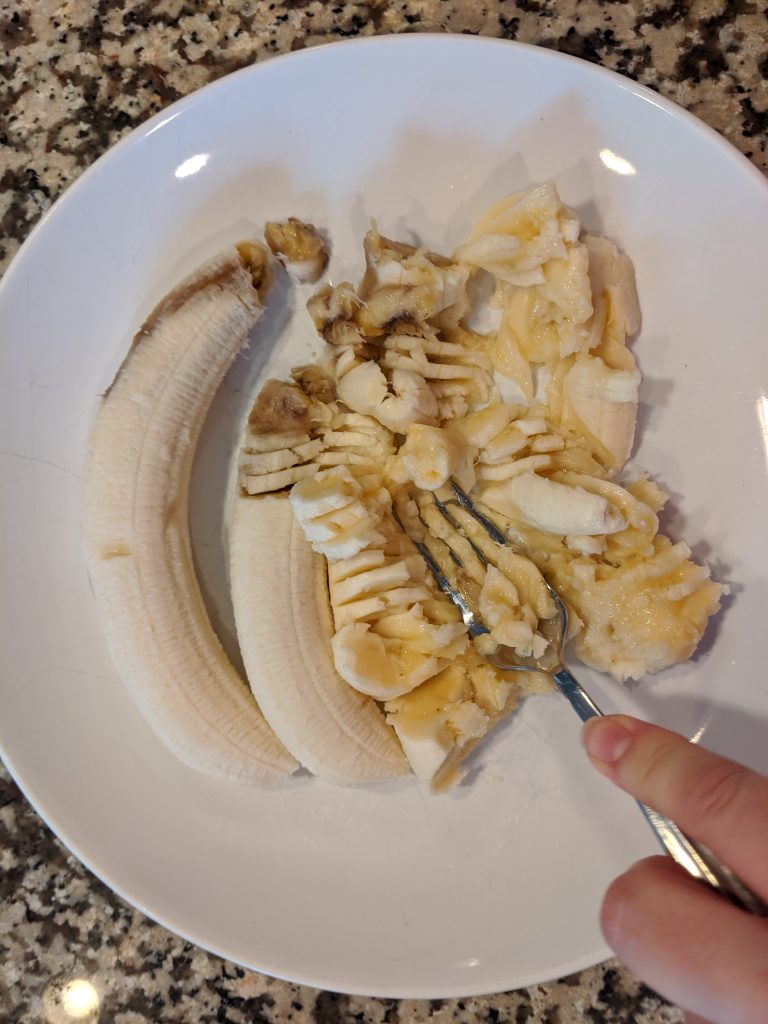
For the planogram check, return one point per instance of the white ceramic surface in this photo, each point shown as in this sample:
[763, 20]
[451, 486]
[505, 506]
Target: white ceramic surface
[382, 892]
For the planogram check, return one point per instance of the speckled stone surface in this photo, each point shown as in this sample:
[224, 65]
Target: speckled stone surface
[74, 78]
[78, 76]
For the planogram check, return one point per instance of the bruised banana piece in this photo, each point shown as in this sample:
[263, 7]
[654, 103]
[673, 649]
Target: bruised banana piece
[299, 247]
[285, 630]
[136, 528]
[282, 438]
[322, 437]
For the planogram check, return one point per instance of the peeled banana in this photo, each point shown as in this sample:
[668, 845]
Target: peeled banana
[136, 529]
[285, 633]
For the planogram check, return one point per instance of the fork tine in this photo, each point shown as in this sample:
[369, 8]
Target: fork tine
[562, 609]
[453, 541]
[495, 534]
[474, 626]
[490, 528]
[441, 542]
[446, 513]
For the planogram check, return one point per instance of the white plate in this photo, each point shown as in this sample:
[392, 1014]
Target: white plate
[385, 892]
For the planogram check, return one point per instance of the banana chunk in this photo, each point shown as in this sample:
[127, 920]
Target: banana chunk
[331, 509]
[365, 390]
[442, 721]
[641, 617]
[431, 456]
[554, 507]
[403, 283]
[602, 403]
[520, 235]
[299, 247]
[399, 652]
[136, 529]
[438, 723]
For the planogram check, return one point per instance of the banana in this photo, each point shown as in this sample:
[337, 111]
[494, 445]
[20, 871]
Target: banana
[602, 403]
[555, 507]
[285, 633]
[299, 247]
[443, 720]
[365, 390]
[519, 235]
[332, 511]
[430, 456]
[136, 529]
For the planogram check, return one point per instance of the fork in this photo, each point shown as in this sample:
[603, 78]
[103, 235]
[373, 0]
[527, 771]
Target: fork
[697, 859]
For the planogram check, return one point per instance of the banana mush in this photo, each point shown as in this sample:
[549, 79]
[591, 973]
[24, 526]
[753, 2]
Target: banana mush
[534, 418]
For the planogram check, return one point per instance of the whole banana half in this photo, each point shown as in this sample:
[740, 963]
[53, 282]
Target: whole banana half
[136, 527]
[284, 626]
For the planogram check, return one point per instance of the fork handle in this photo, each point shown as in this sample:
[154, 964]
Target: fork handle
[697, 859]
[578, 697]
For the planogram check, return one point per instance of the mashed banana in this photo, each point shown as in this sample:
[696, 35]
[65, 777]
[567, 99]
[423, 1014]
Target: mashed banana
[534, 419]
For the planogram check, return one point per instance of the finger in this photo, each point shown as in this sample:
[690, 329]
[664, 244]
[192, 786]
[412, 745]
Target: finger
[716, 801]
[691, 946]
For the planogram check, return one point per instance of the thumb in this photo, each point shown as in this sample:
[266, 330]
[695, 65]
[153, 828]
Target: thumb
[714, 800]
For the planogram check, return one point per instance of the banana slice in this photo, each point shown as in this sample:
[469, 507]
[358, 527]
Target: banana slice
[331, 509]
[284, 434]
[458, 375]
[136, 528]
[285, 632]
[365, 390]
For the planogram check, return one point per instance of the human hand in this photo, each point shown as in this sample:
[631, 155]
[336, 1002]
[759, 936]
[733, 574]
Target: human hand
[689, 944]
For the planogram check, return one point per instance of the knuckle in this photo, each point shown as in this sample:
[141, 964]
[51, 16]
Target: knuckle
[717, 791]
[612, 913]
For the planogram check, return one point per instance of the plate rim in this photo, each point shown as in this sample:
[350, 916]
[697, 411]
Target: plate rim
[173, 110]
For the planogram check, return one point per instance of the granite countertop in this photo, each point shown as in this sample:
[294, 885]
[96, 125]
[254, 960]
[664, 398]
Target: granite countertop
[76, 77]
